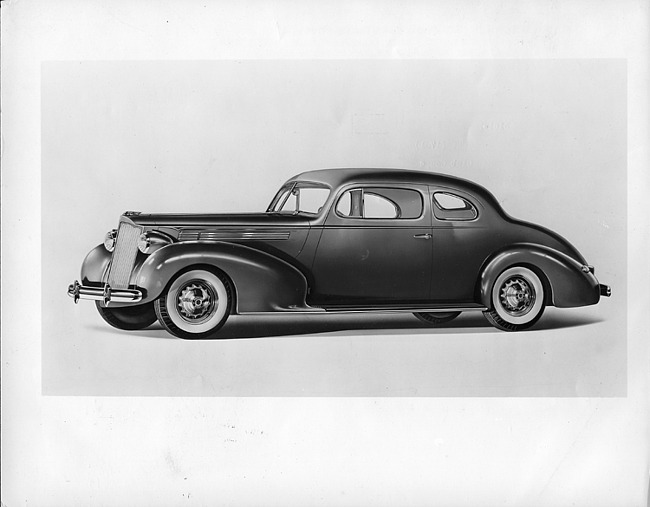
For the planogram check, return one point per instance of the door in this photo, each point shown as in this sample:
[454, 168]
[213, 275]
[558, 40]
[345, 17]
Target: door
[375, 248]
[462, 241]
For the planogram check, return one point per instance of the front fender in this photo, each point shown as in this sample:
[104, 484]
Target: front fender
[567, 284]
[95, 265]
[262, 282]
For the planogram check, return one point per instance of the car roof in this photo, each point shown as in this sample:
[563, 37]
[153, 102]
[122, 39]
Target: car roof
[338, 177]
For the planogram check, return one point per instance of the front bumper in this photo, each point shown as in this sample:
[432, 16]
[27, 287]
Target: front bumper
[104, 293]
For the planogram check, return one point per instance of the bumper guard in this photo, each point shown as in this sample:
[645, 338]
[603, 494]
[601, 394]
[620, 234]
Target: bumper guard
[106, 294]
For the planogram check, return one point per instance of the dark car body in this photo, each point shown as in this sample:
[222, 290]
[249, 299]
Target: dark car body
[379, 240]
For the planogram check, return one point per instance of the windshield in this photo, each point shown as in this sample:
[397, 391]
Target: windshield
[302, 197]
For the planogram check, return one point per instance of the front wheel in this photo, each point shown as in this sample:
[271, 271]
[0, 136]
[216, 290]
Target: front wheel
[517, 300]
[129, 318]
[196, 304]
[436, 318]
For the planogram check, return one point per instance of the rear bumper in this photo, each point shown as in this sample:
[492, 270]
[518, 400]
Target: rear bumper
[605, 290]
[104, 293]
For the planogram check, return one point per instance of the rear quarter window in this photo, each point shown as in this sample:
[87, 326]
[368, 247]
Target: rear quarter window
[450, 206]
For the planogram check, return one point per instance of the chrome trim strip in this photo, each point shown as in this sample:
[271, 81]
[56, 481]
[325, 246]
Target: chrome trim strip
[104, 293]
[232, 235]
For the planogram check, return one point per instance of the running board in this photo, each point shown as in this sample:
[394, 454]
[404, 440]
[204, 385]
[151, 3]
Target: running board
[320, 310]
[403, 309]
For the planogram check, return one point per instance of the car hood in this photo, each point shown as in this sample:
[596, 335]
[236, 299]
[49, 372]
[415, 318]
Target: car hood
[216, 220]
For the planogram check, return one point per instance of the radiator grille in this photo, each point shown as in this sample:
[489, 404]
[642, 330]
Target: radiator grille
[126, 248]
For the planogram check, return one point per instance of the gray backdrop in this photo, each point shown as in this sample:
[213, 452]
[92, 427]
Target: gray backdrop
[547, 137]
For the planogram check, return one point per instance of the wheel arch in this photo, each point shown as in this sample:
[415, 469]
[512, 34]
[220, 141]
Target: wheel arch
[565, 284]
[259, 281]
[212, 269]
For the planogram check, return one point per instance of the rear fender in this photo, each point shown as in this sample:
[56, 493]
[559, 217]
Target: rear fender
[262, 283]
[567, 284]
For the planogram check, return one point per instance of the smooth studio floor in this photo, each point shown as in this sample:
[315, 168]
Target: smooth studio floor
[576, 352]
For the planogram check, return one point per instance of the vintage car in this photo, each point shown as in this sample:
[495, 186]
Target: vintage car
[337, 240]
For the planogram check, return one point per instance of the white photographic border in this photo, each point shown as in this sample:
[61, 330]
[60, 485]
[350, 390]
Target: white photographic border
[314, 451]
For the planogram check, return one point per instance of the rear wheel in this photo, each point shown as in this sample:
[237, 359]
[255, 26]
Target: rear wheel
[517, 300]
[128, 317]
[436, 318]
[195, 305]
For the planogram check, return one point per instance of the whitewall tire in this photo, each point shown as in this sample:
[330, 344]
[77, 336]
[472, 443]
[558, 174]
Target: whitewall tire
[517, 299]
[196, 304]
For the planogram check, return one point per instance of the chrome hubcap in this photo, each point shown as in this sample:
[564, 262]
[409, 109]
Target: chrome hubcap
[197, 301]
[517, 296]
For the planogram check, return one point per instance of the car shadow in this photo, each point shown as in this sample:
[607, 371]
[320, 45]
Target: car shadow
[276, 325]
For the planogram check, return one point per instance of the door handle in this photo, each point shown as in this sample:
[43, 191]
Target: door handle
[422, 236]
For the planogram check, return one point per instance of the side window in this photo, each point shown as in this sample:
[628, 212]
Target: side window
[378, 206]
[312, 199]
[300, 197]
[380, 203]
[448, 206]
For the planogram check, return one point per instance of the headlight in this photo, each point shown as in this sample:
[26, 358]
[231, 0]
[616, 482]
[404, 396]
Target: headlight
[144, 243]
[151, 241]
[109, 240]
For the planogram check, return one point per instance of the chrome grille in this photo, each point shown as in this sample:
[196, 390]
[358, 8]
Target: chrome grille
[126, 248]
